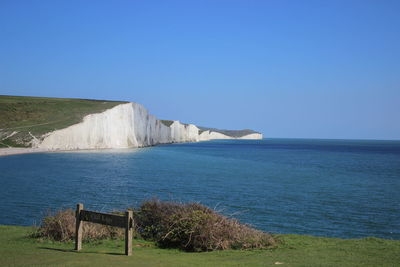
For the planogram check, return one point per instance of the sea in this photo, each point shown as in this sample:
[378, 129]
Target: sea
[331, 188]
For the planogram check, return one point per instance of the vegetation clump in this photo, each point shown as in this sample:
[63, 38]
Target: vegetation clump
[189, 227]
[60, 226]
[194, 227]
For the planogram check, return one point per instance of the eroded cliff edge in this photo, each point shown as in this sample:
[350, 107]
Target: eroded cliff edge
[125, 126]
[29, 124]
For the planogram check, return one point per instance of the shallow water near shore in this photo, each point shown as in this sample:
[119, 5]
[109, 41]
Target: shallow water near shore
[336, 188]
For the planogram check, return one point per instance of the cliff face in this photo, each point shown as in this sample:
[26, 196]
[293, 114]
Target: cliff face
[113, 128]
[252, 136]
[124, 126]
[184, 132]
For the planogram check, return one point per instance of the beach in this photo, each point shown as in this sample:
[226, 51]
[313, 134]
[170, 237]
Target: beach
[20, 150]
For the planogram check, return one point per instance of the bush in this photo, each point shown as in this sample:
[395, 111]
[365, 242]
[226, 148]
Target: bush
[194, 227]
[61, 227]
[190, 227]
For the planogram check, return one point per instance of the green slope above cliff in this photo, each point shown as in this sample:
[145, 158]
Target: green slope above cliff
[22, 117]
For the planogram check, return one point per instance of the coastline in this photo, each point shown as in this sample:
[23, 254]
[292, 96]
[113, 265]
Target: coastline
[21, 150]
[9, 151]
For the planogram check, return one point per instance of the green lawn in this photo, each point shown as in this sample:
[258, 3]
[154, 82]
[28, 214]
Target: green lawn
[40, 115]
[17, 249]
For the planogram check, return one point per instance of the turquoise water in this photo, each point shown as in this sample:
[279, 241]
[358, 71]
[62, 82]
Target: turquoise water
[337, 188]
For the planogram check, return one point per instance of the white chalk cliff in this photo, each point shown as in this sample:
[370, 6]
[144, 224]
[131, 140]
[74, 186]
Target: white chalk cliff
[125, 126]
[184, 132]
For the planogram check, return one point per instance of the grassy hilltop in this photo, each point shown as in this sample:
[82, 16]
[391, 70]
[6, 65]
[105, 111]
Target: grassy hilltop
[23, 116]
[17, 249]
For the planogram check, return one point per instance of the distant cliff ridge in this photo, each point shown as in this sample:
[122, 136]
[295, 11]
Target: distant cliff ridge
[124, 125]
[231, 133]
[129, 125]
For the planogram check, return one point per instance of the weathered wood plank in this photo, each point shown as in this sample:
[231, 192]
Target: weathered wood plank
[103, 218]
[128, 232]
[78, 227]
[106, 219]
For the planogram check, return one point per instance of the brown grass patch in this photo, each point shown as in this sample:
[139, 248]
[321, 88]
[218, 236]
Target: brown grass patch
[60, 226]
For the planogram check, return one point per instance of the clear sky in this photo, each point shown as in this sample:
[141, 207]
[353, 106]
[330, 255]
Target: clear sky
[325, 69]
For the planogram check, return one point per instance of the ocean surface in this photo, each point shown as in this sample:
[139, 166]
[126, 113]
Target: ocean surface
[334, 188]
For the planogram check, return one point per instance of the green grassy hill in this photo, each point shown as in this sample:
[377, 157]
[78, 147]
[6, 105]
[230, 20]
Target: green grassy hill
[17, 249]
[24, 116]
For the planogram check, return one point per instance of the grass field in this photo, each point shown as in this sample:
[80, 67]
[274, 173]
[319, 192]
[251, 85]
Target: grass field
[17, 249]
[39, 115]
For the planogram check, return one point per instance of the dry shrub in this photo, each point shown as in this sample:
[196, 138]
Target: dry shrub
[194, 227]
[190, 227]
[61, 227]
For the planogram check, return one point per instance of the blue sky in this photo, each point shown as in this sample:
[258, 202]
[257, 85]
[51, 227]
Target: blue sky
[324, 69]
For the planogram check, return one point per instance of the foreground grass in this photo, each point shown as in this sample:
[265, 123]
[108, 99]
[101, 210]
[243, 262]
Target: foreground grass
[40, 115]
[295, 250]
